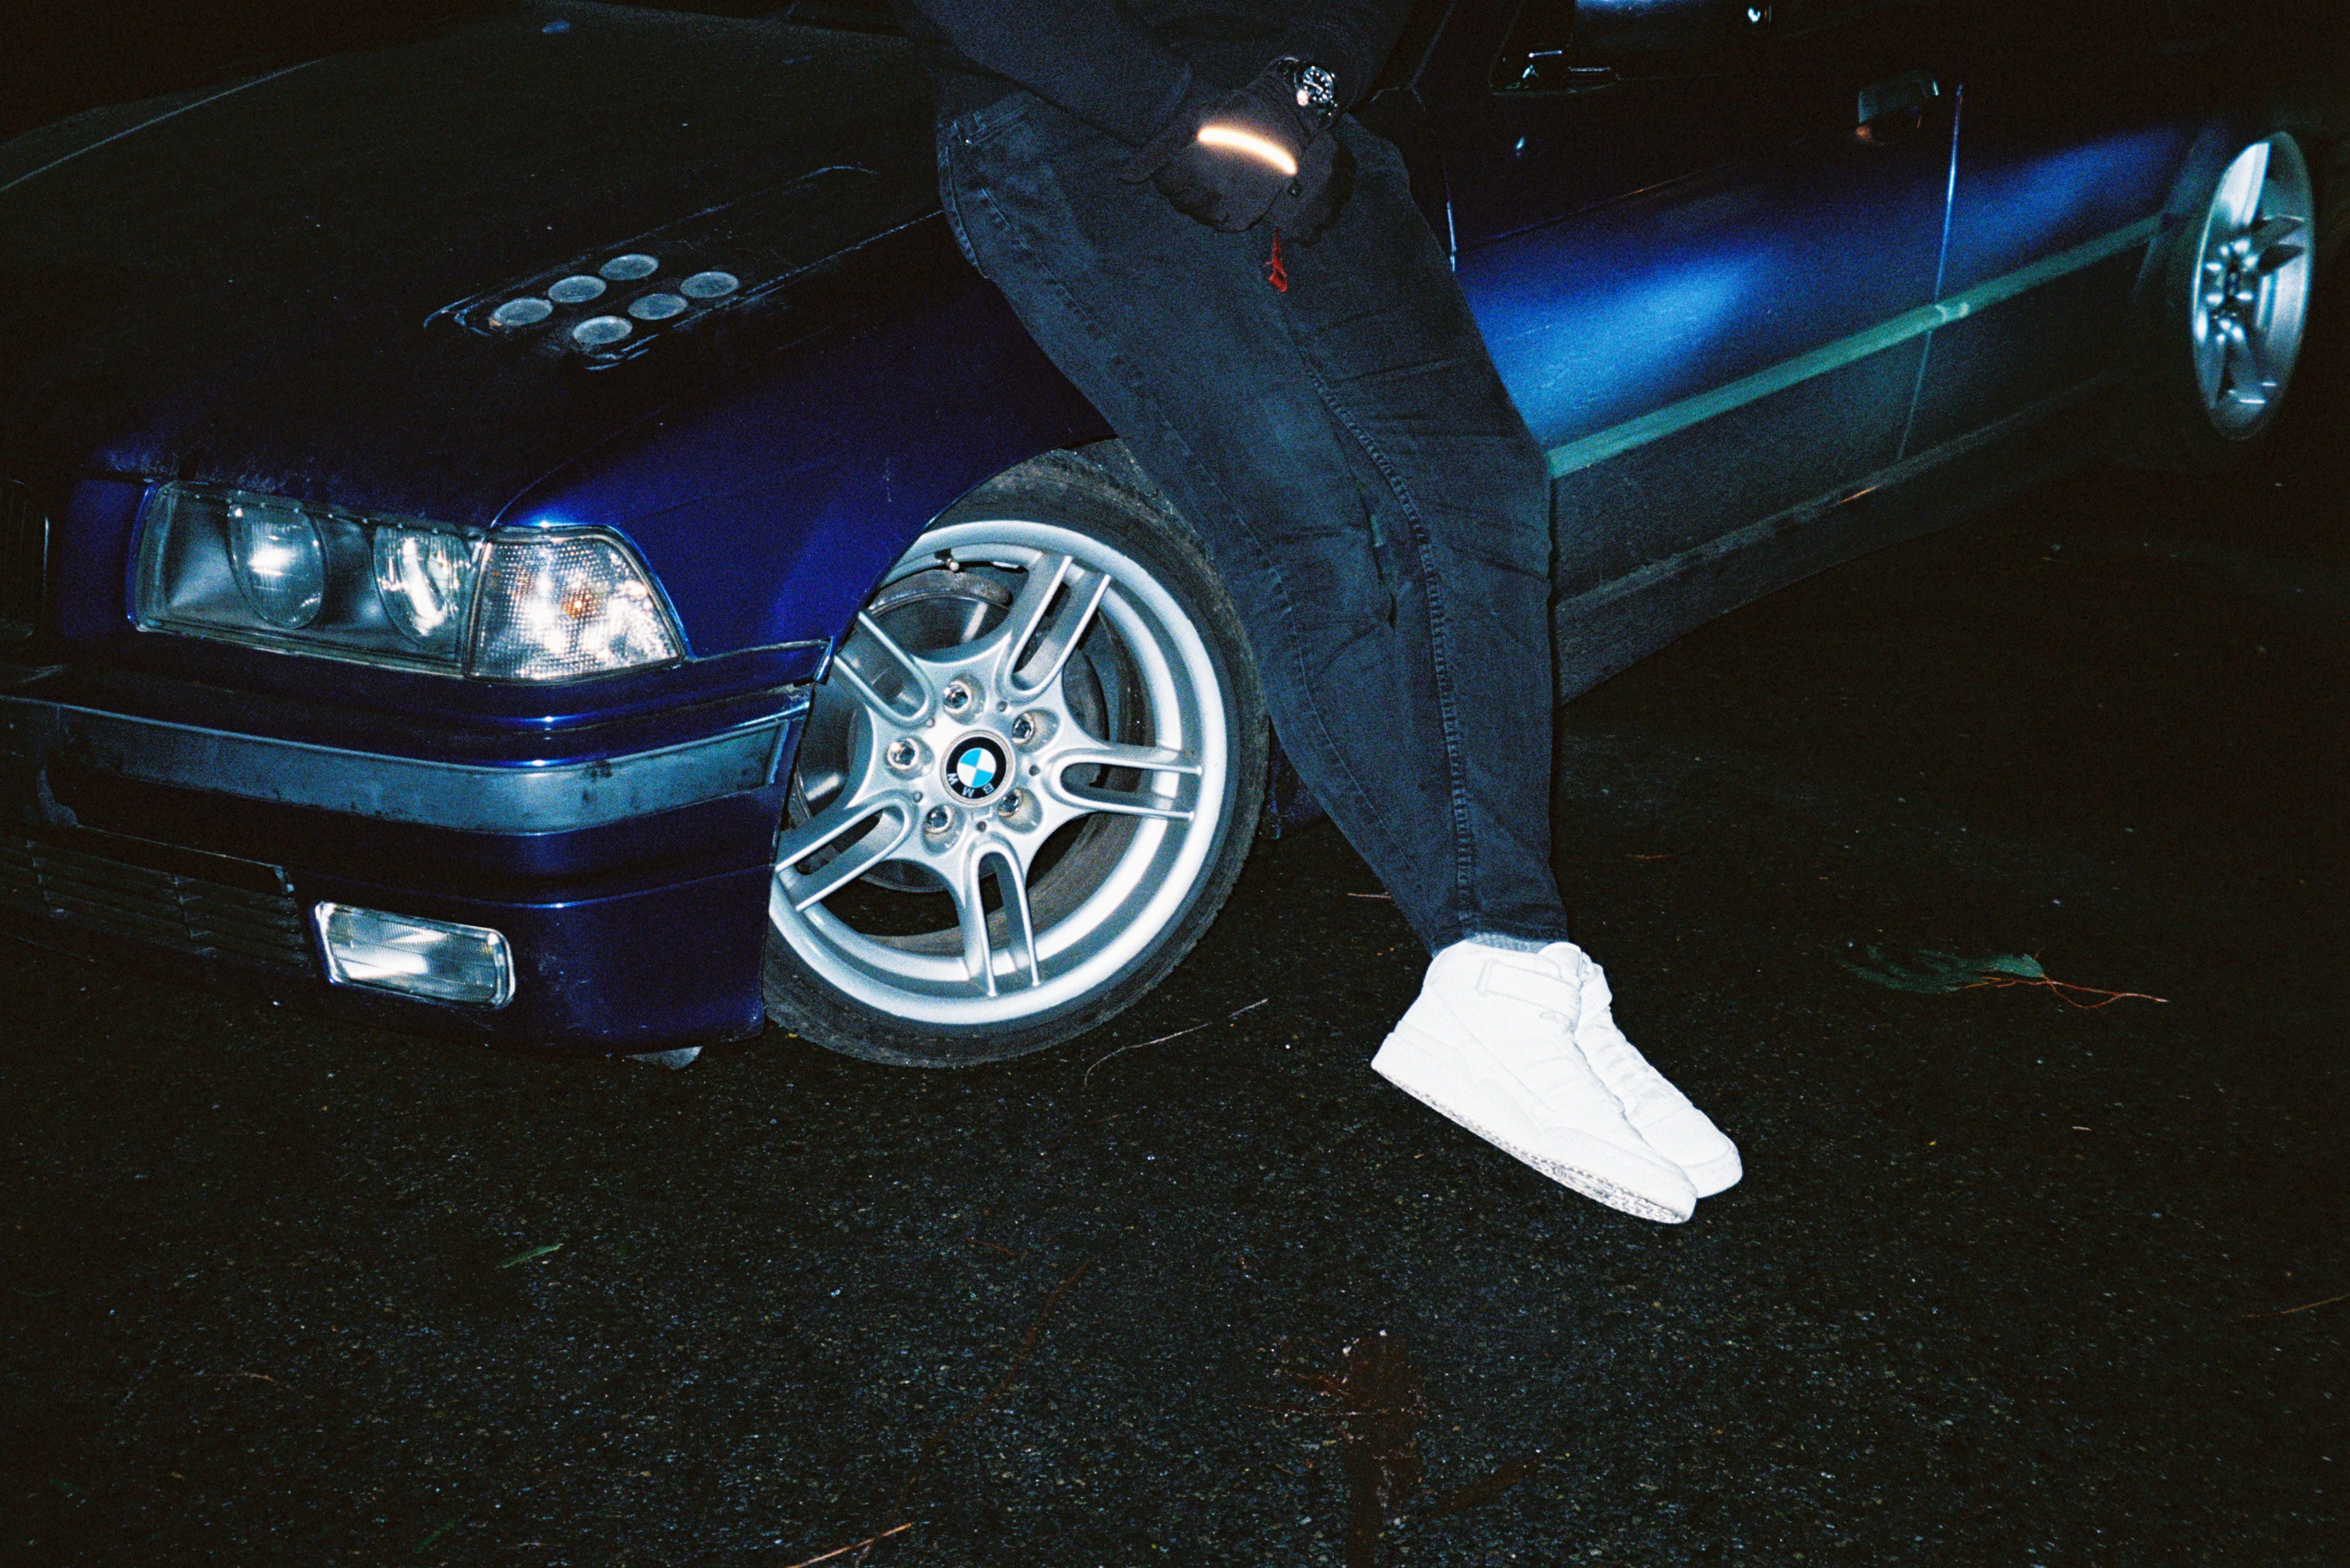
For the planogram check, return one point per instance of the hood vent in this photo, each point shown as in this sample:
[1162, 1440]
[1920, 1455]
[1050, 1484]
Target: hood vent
[24, 561]
[613, 303]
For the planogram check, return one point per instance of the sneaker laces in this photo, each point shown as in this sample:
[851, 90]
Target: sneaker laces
[1646, 1092]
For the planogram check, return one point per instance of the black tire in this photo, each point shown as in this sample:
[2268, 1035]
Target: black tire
[827, 974]
[2173, 419]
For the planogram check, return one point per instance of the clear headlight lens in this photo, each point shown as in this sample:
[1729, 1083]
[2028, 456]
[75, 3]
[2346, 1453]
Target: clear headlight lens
[561, 607]
[425, 583]
[279, 562]
[526, 605]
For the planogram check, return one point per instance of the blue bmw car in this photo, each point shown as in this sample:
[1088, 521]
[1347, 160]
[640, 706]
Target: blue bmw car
[531, 532]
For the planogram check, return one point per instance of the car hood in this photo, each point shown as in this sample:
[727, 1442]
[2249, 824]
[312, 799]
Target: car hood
[292, 283]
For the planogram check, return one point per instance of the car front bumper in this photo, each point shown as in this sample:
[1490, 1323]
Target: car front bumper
[629, 883]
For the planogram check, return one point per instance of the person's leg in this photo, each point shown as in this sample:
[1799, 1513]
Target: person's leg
[1371, 497]
[1462, 509]
[1381, 515]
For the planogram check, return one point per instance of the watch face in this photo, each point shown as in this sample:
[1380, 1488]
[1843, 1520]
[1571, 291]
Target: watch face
[1318, 88]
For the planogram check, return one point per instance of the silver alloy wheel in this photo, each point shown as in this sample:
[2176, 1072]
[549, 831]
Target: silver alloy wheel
[2252, 284]
[1020, 706]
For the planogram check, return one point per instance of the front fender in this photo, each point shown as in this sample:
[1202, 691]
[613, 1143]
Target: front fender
[770, 506]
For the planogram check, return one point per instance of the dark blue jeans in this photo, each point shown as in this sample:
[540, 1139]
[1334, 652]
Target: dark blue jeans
[1370, 496]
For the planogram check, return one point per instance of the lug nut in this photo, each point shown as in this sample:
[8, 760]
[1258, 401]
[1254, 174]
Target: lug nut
[1024, 729]
[1011, 802]
[938, 819]
[955, 698]
[902, 754]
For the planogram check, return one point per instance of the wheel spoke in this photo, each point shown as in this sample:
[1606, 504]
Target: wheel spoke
[2238, 200]
[912, 679]
[1046, 623]
[889, 821]
[1122, 802]
[2247, 366]
[1019, 923]
[970, 920]
[2270, 230]
[2277, 255]
[1127, 803]
[2212, 358]
[969, 891]
[1117, 754]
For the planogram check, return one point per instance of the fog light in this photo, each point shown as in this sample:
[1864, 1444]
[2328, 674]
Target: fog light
[416, 957]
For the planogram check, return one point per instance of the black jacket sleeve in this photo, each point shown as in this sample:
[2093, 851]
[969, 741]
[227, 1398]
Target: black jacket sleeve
[1092, 57]
[1352, 37]
[1105, 64]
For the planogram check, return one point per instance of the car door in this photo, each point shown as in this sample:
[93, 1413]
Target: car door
[1699, 261]
[2071, 133]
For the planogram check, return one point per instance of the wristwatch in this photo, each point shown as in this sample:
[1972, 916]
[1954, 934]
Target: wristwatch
[1317, 87]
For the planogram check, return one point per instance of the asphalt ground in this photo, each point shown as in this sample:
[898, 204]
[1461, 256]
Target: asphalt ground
[2009, 1281]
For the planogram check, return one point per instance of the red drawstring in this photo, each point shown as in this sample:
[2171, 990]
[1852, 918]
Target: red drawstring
[1274, 273]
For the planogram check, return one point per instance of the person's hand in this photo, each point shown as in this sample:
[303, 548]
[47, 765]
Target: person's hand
[1326, 173]
[1229, 167]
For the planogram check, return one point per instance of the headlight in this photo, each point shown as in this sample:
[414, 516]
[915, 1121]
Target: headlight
[260, 569]
[424, 582]
[279, 562]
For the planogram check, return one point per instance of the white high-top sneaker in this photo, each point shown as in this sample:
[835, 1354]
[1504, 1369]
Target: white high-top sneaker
[1661, 1114]
[1490, 1043]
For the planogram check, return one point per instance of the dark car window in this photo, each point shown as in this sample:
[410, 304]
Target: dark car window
[1546, 52]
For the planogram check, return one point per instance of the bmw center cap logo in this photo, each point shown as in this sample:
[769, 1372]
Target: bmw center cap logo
[975, 768]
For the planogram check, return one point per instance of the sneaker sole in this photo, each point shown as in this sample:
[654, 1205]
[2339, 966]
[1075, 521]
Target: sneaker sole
[1597, 1188]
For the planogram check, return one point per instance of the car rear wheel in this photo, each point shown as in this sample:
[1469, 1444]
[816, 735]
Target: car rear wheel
[2223, 327]
[1027, 785]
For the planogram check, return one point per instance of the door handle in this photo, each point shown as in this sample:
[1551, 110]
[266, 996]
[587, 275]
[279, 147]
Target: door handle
[1895, 106]
[1898, 94]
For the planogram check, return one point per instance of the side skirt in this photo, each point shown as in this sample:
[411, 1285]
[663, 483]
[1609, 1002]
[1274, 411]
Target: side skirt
[1604, 630]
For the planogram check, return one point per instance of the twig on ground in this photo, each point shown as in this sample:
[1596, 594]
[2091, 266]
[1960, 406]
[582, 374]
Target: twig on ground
[1944, 973]
[2059, 987]
[2304, 1306]
[1179, 1035]
[868, 1541]
[1388, 896]
[533, 1253]
[422, 1545]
